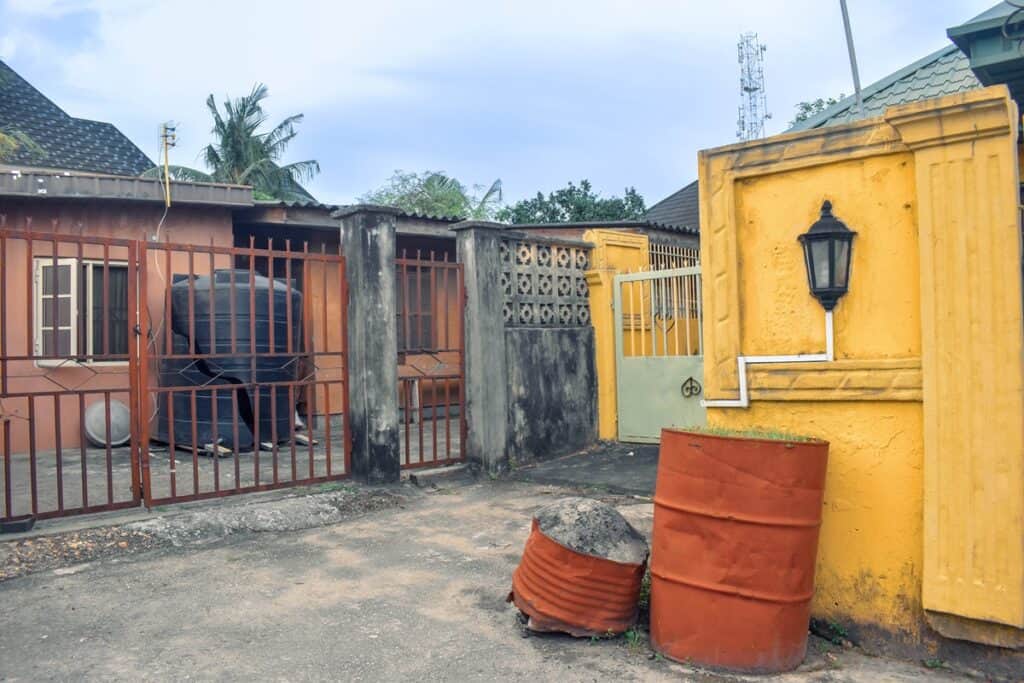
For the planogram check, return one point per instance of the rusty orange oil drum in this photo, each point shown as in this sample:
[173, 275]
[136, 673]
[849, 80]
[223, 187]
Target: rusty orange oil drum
[735, 537]
[563, 590]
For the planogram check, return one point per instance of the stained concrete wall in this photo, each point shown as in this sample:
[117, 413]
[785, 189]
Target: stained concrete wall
[531, 384]
[552, 391]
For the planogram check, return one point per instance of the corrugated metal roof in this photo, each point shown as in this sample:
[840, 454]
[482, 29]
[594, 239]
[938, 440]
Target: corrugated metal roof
[680, 211]
[945, 72]
[313, 204]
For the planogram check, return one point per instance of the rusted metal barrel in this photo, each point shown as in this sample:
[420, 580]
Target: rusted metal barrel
[563, 590]
[735, 537]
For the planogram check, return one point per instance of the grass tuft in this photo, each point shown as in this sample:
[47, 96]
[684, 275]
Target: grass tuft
[752, 433]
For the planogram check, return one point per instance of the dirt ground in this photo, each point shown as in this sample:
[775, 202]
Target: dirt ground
[401, 584]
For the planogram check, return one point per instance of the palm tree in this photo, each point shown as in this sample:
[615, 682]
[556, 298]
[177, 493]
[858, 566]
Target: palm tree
[8, 145]
[13, 140]
[434, 193]
[487, 204]
[242, 155]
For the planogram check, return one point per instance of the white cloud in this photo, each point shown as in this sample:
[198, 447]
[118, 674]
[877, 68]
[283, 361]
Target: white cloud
[145, 61]
[8, 47]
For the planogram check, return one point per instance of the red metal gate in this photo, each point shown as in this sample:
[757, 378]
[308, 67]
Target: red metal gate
[431, 398]
[244, 372]
[67, 361]
[203, 370]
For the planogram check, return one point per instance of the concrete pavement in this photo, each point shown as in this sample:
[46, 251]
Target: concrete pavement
[409, 592]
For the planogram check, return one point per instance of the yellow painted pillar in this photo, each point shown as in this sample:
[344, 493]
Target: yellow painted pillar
[965, 158]
[614, 252]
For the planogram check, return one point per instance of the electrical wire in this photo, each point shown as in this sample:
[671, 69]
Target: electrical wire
[152, 335]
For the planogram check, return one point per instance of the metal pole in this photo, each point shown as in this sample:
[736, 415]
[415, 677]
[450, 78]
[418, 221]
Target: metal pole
[853, 58]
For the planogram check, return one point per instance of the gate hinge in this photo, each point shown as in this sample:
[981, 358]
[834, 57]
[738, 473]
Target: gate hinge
[137, 330]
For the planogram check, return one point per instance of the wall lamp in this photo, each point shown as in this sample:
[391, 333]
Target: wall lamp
[827, 249]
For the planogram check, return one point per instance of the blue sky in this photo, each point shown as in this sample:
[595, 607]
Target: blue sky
[535, 92]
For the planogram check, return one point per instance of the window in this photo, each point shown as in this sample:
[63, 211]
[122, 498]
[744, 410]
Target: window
[71, 320]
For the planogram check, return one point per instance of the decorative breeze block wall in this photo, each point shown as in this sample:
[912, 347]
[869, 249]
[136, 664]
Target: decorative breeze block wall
[544, 283]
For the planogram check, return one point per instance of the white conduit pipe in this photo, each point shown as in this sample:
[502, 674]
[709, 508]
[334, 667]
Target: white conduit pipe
[743, 361]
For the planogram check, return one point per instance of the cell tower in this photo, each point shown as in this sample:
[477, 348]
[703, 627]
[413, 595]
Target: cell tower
[753, 100]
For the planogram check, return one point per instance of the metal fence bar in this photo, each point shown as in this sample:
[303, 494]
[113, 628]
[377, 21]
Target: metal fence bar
[81, 452]
[671, 256]
[108, 450]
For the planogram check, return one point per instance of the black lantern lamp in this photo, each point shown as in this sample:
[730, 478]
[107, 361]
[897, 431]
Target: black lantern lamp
[827, 249]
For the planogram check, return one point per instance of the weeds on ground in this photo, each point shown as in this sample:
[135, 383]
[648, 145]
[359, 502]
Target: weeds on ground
[645, 591]
[635, 638]
[838, 629]
[331, 486]
[832, 631]
[934, 664]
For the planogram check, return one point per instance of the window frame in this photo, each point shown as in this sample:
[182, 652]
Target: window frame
[76, 356]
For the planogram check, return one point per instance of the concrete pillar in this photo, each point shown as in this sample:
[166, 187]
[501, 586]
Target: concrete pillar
[368, 241]
[479, 251]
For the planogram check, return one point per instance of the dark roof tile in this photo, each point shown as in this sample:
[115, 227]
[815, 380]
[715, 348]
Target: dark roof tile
[62, 141]
[678, 211]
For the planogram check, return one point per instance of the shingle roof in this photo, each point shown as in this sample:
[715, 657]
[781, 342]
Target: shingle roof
[62, 141]
[945, 72]
[678, 211]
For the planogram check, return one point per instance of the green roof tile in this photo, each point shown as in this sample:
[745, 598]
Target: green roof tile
[945, 72]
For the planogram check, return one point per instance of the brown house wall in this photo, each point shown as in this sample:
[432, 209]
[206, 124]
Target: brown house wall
[97, 219]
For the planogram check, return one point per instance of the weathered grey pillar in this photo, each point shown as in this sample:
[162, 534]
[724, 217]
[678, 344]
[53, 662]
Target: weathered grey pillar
[368, 241]
[479, 251]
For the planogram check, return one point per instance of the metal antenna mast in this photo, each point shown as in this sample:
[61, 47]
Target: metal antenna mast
[853, 57]
[753, 110]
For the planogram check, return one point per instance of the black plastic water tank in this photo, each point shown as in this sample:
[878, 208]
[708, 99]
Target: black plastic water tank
[255, 362]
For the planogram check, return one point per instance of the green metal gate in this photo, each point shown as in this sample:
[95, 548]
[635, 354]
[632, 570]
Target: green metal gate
[659, 356]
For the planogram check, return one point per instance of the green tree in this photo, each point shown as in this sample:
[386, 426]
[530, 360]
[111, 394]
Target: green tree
[434, 193]
[805, 110]
[243, 154]
[575, 204]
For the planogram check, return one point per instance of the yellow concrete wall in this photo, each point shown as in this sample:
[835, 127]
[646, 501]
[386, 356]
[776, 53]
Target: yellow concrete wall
[614, 252]
[923, 501]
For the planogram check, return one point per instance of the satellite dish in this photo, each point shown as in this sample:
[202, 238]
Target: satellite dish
[95, 426]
